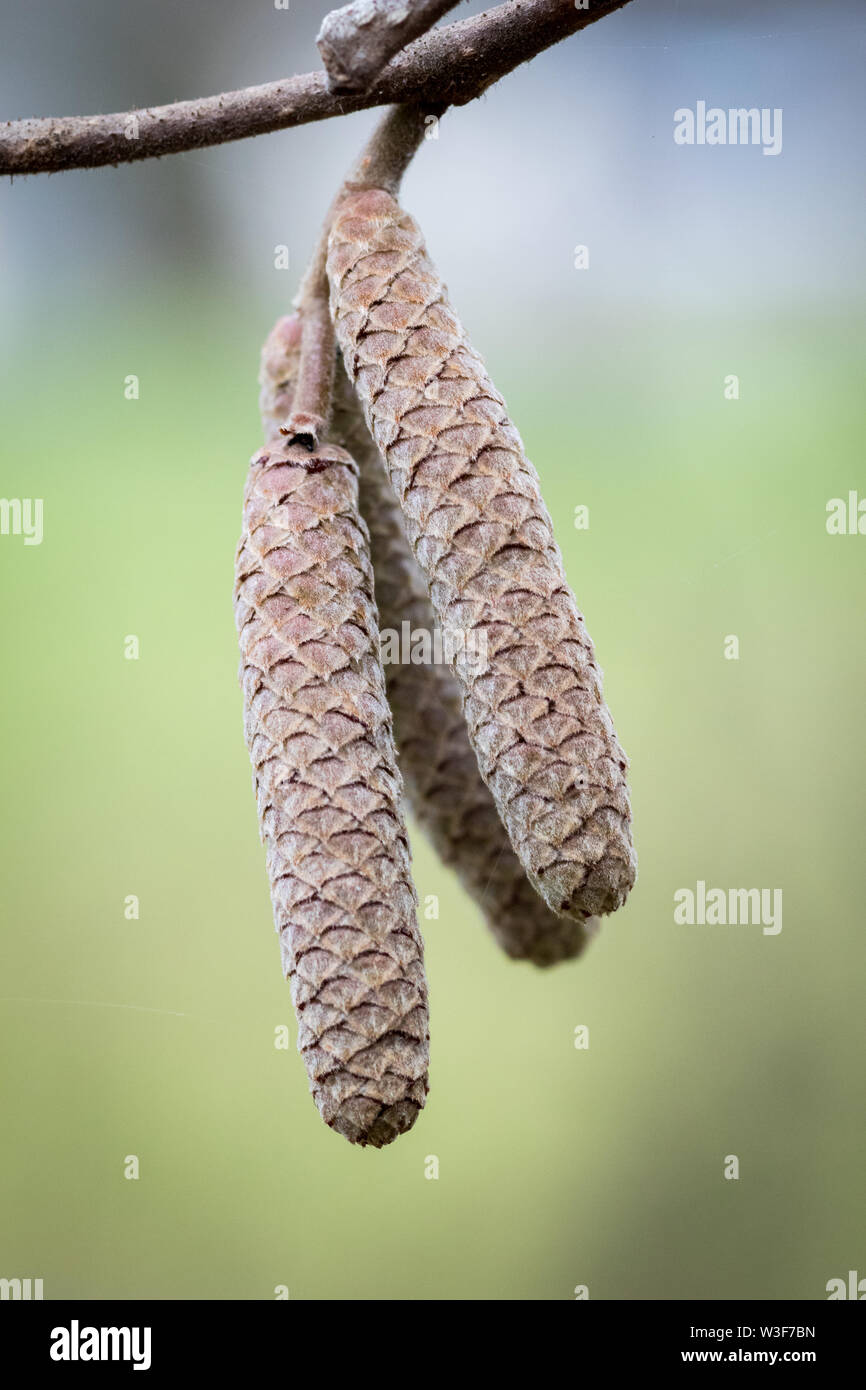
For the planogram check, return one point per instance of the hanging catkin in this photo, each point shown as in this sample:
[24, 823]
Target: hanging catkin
[537, 719]
[318, 728]
[440, 772]
[443, 785]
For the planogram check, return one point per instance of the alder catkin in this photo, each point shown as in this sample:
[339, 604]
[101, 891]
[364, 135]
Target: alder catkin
[444, 787]
[542, 733]
[440, 772]
[318, 728]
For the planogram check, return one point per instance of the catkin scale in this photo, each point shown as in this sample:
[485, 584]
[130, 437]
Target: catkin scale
[318, 728]
[543, 737]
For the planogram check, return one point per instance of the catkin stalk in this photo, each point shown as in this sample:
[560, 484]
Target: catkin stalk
[318, 728]
[542, 734]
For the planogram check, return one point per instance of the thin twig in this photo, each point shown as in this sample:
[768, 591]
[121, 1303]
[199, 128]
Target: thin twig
[388, 153]
[358, 41]
[311, 406]
[381, 164]
[449, 66]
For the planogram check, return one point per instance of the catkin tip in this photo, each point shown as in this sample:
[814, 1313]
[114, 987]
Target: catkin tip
[603, 889]
[369, 1124]
[564, 938]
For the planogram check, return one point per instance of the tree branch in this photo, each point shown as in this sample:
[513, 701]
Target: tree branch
[448, 66]
[357, 41]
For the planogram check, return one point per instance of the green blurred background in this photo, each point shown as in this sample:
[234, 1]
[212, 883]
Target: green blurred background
[558, 1167]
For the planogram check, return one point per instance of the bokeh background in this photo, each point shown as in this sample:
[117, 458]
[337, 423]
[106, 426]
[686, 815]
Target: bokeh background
[557, 1167]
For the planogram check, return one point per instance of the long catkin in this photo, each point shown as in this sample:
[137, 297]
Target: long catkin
[444, 787]
[473, 510]
[440, 772]
[318, 728]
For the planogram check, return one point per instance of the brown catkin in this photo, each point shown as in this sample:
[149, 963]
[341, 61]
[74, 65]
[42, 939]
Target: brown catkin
[318, 728]
[542, 733]
[443, 785]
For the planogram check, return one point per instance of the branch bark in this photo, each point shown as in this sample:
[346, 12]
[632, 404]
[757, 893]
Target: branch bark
[357, 41]
[448, 66]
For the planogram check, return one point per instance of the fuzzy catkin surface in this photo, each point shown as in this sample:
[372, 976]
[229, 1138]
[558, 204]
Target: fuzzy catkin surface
[318, 728]
[474, 515]
[444, 788]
